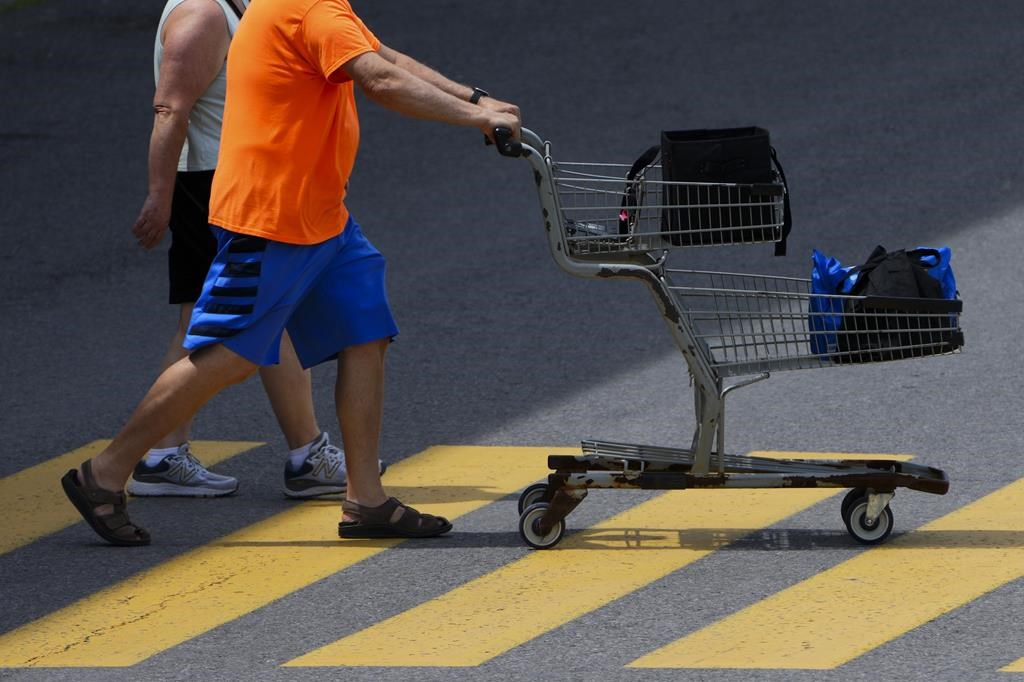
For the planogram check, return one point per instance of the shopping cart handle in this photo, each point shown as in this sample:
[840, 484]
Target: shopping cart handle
[507, 145]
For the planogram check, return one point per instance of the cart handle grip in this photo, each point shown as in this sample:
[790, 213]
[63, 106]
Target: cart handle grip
[507, 145]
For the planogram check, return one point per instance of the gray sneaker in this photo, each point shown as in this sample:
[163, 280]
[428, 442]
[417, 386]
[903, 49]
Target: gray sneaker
[181, 475]
[321, 473]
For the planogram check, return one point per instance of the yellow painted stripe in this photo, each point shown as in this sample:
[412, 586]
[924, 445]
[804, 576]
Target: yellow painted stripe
[33, 504]
[852, 608]
[1015, 667]
[516, 603]
[510, 606]
[214, 584]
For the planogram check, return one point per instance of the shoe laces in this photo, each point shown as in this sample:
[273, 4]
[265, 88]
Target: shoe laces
[190, 466]
[330, 452]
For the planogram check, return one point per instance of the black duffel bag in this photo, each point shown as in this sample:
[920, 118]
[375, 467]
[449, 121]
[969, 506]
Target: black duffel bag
[904, 312]
[741, 156]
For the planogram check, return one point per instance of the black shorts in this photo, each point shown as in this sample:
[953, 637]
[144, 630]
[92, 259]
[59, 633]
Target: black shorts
[193, 245]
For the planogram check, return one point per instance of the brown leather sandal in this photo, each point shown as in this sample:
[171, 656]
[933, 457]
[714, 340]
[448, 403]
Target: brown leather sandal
[117, 529]
[390, 520]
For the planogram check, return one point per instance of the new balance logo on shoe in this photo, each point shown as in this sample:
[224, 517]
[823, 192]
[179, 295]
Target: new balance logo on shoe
[326, 468]
[182, 472]
[321, 473]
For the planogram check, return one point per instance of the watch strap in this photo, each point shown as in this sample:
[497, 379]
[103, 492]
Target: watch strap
[477, 95]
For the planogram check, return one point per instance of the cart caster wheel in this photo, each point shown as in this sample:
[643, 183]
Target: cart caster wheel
[532, 495]
[528, 527]
[852, 496]
[858, 527]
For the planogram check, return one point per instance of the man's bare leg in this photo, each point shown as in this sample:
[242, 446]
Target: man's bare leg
[359, 399]
[288, 386]
[176, 352]
[368, 512]
[175, 397]
[290, 390]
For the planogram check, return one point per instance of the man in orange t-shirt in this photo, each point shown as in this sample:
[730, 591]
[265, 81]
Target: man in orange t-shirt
[289, 254]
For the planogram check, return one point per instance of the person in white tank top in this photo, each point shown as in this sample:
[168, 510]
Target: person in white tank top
[207, 113]
[189, 60]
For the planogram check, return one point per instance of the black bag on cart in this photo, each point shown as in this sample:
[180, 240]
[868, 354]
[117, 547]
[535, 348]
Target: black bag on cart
[742, 156]
[904, 314]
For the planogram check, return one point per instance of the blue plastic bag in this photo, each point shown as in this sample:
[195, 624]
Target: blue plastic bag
[944, 273]
[830, 278]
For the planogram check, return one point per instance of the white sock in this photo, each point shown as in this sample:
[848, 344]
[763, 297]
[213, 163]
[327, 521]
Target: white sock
[156, 455]
[299, 455]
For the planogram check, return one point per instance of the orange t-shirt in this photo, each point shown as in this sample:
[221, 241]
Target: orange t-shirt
[290, 135]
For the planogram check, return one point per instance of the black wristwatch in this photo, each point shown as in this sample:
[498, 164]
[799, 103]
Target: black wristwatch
[477, 95]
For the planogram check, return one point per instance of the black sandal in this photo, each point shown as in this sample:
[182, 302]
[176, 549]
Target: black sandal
[86, 495]
[390, 520]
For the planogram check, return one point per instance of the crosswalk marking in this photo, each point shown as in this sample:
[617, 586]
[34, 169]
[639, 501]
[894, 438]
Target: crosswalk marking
[224, 580]
[508, 607]
[518, 602]
[850, 609]
[32, 503]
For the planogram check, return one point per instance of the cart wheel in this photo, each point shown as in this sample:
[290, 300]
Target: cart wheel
[528, 527]
[852, 496]
[533, 494]
[857, 526]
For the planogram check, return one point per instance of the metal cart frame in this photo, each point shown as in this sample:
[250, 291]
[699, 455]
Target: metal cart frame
[732, 329]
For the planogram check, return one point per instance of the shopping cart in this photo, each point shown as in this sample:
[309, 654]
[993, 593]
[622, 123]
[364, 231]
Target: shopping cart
[733, 330]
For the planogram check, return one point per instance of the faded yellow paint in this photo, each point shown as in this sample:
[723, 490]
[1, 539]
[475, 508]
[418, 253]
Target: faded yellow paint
[219, 582]
[589, 569]
[33, 504]
[861, 604]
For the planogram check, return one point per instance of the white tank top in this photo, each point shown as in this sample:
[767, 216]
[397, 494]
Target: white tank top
[204, 121]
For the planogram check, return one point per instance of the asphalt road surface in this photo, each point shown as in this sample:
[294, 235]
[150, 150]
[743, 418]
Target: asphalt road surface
[898, 124]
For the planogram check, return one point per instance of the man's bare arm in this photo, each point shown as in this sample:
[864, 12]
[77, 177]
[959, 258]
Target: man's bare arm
[424, 72]
[195, 45]
[400, 90]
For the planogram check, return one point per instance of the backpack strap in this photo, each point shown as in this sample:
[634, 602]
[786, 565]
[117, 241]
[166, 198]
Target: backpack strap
[787, 216]
[629, 196]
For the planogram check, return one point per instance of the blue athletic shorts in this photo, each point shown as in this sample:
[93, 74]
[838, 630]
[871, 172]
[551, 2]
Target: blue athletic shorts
[328, 296]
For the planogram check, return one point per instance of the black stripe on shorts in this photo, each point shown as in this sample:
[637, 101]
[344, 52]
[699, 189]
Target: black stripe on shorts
[247, 244]
[242, 269]
[213, 332]
[228, 308]
[234, 292]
